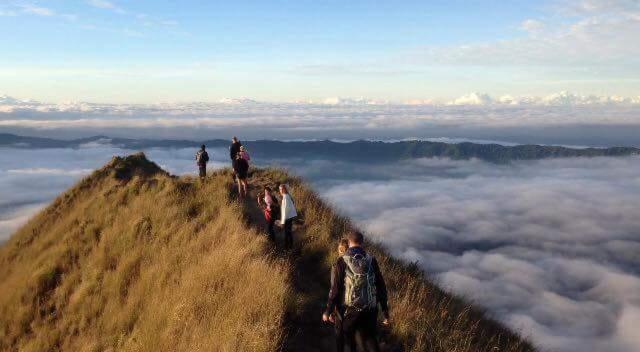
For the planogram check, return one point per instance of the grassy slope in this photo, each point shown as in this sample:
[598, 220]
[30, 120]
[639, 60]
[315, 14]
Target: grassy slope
[143, 262]
[134, 259]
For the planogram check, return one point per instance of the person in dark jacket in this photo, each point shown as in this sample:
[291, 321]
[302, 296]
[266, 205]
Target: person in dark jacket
[202, 158]
[234, 148]
[353, 319]
[241, 170]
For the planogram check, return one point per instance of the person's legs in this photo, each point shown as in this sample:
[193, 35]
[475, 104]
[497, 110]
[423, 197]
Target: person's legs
[338, 331]
[349, 327]
[244, 186]
[288, 236]
[203, 171]
[368, 328]
[270, 231]
[240, 195]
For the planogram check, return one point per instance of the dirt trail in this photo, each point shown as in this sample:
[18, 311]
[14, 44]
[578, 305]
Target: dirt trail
[306, 331]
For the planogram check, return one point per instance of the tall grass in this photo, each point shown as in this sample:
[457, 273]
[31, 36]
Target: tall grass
[131, 259]
[424, 317]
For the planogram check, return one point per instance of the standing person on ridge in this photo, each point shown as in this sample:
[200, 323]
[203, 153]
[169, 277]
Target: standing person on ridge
[241, 170]
[357, 288]
[269, 205]
[288, 214]
[202, 158]
[234, 148]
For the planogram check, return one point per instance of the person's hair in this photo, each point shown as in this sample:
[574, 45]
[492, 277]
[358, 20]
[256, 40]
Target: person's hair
[343, 245]
[267, 188]
[242, 147]
[283, 186]
[202, 147]
[355, 237]
[235, 139]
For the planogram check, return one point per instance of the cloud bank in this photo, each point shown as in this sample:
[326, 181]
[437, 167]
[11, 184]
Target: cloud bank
[548, 247]
[559, 119]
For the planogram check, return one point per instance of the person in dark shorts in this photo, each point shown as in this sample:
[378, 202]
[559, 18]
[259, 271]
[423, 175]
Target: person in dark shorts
[234, 148]
[269, 205]
[241, 170]
[357, 289]
[202, 158]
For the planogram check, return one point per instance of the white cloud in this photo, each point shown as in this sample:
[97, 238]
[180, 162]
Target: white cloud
[37, 10]
[104, 4]
[599, 34]
[547, 246]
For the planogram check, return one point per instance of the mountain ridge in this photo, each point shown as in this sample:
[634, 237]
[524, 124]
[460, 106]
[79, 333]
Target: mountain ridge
[133, 258]
[355, 151]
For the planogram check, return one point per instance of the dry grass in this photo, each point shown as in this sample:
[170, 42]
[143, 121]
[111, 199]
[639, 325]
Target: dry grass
[425, 318]
[132, 259]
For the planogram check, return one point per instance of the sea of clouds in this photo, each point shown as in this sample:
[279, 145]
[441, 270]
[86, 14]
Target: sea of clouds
[564, 118]
[550, 247]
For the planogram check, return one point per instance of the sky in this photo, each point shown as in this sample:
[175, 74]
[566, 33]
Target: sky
[115, 51]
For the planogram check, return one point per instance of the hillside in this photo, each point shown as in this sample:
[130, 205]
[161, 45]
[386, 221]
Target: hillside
[134, 259]
[356, 151]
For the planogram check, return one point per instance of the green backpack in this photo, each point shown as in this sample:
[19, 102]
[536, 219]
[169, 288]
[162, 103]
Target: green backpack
[359, 282]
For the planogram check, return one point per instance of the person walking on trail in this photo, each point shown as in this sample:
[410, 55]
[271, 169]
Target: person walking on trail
[244, 154]
[287, 215]
[202, 158]
[234, 148]
[241, 170]
[269, 204]
[343, 245]
[357, 289]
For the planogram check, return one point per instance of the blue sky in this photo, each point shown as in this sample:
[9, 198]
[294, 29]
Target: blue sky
[155, 51]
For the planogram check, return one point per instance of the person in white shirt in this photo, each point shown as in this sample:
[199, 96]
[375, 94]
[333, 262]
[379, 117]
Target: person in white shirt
[288, 214]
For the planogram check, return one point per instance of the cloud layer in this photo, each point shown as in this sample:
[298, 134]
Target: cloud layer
[559, 119]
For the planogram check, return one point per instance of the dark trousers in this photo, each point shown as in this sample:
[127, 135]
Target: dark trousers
[363, 323]
[339, 333]
[288, 236]
[203, 170]
[270, 223]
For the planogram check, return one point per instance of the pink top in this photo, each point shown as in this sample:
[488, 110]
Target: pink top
[245, 156]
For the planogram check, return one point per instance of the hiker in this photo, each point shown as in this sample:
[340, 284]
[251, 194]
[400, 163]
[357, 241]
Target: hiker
[269, 204]
[244, 154]
[288, 214]
[343, 245]
[202, 158]
[234, 148]
[241, 170]
[357, 288]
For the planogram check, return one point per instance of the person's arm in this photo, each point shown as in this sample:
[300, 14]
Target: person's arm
[283, 209]
[334, 290]
[381, 289]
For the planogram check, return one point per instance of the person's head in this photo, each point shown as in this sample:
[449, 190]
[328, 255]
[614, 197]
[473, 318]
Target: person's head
[202, 147]
[234, 139]
[267, 190]
[343, 245]
[242, 148]
[283, 189]
[355, 238]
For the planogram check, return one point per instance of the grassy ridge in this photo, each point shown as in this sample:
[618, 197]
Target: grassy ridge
[133, 259]
[424, 317]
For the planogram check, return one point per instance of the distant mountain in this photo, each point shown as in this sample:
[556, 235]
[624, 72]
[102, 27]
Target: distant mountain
[357, 151]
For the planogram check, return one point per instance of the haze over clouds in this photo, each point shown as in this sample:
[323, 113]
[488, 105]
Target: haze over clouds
[559, 119]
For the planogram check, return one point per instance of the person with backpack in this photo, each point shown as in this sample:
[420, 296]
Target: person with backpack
[357, 289]
[234, 148]
[202, 158]
[269, 205]
[244, 154]
[241, 170]
[287, 214]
